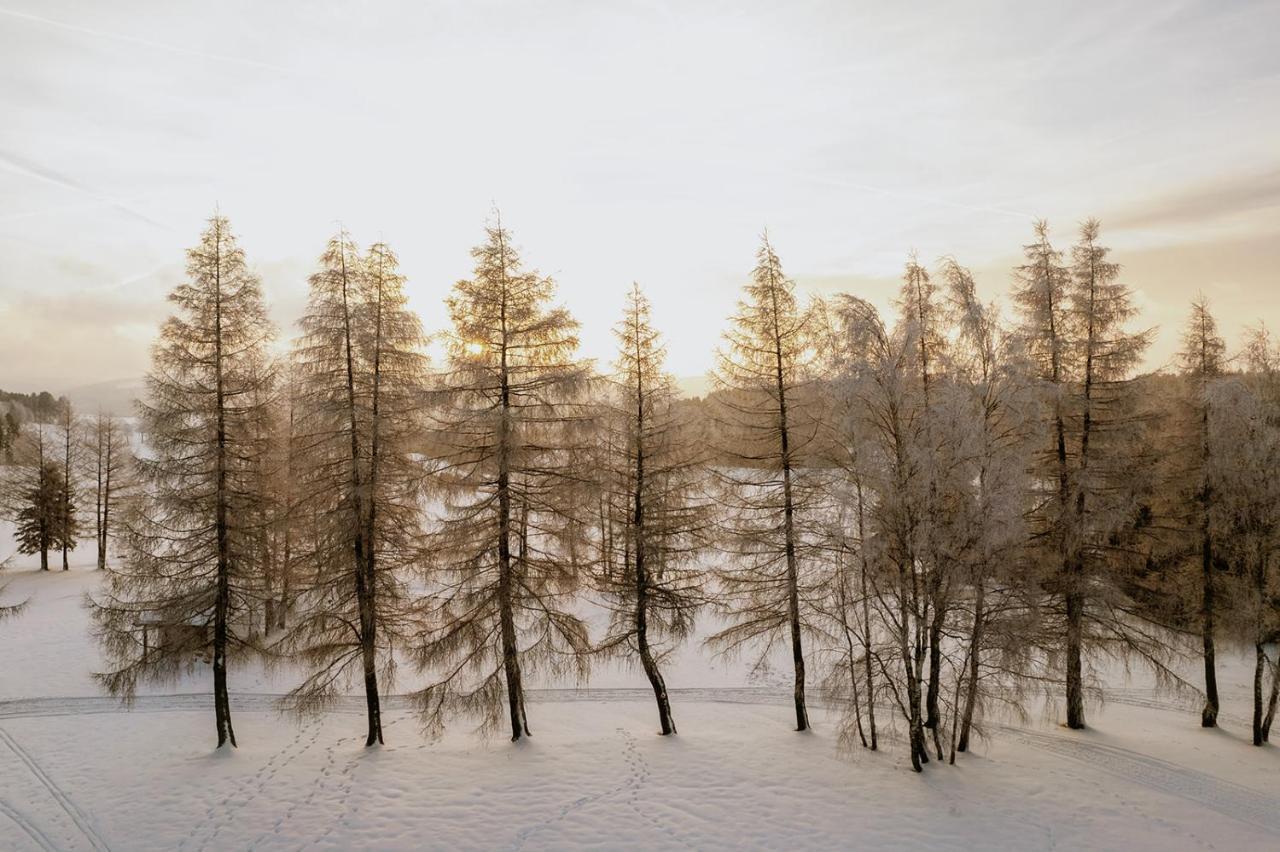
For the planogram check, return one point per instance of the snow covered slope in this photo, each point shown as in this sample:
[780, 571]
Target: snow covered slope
[82, 773]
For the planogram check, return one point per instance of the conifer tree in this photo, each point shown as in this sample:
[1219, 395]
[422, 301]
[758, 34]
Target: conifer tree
[68, 514]
[1202, 360]
[36, 497]
[509, 552]
[361, 375]
[109, 449]
[762, 376]
[192, 568]
[652, 480]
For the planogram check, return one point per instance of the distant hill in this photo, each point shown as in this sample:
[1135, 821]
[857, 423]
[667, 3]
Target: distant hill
[693, 386]
[111, 397]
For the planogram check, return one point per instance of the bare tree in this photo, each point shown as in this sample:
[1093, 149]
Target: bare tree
[192, 570]
[508, 554]
[761, 375]
[1244, 449]
[652, 475]
[990, 403]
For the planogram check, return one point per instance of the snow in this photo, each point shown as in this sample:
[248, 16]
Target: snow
[80, 772]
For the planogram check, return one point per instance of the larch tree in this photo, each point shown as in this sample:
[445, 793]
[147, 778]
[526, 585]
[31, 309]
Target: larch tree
[361, 372]
[762, 378]
[652, 472]
[1202, 361]
[1104, 481]
[68, 498]
[511, 548]
[1047, 329]
[109, 450]
[192, 569]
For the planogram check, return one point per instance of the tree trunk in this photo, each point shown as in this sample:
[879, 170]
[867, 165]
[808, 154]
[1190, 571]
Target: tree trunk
[221, 699]
[1271, 702]
[789, 542]
[932, 714]
[975, 666]
[1259, 665]
[1075, 679]
[1209, 715]
[851, 658]
[106, 515]
[506, 611]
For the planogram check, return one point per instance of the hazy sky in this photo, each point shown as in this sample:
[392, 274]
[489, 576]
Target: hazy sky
[630, 140]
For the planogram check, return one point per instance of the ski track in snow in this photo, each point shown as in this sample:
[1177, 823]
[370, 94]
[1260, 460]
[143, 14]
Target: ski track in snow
[28, 827]
[59, 795]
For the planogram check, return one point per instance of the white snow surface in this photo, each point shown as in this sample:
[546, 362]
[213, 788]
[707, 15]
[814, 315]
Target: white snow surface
[78, 771]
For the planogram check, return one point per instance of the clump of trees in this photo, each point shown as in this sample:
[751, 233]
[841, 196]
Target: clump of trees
[928, 517]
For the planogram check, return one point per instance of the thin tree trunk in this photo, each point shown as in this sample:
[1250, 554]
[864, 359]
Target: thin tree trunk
[1209, 715]
[1271, 702]
[364, 591]
[851, 658]
[866, 642]
[932, 714]
[106, 502]
[221, 698]
[506, 610]
[1260, 662]
[975, 665]
[66, 494]
[789, 536]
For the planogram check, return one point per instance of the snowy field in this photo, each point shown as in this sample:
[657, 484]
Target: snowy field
[80, 772]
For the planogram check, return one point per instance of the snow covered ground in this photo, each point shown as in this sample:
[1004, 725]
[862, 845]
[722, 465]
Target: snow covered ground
[79, 772]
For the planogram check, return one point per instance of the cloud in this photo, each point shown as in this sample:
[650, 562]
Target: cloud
[1207, 202]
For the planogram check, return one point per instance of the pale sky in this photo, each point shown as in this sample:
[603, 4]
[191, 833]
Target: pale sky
[623, 141]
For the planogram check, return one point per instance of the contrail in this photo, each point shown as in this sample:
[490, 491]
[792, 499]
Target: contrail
[157, 45]
[17, 165]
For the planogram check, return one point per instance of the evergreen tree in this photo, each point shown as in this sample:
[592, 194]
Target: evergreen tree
[192, 570]
[39, 521]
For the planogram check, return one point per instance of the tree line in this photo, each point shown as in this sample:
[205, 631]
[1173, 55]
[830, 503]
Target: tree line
[935, 515]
